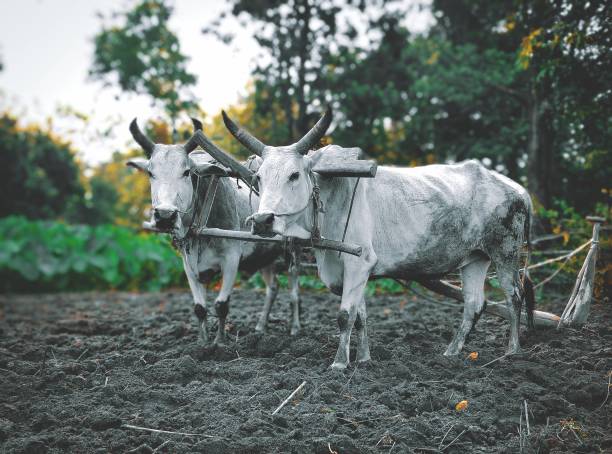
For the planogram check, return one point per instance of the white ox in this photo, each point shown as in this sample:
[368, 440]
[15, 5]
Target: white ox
[413, 223]
[179, 180]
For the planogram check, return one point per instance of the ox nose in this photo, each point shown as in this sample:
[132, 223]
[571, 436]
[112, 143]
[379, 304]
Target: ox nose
[262, 223]
[165, 217]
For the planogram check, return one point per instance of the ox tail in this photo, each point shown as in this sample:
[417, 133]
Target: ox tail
[528, 288]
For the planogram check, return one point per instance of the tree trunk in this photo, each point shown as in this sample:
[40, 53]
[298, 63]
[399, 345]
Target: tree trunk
[541, 163]
[304, 19]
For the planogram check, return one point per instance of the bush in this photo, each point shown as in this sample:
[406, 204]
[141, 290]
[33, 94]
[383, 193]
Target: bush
[41, 256]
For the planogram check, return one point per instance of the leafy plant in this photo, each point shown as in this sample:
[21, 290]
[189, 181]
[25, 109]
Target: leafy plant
[40, 256]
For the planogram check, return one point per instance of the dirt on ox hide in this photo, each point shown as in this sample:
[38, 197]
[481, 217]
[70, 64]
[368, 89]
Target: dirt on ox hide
[75, 370]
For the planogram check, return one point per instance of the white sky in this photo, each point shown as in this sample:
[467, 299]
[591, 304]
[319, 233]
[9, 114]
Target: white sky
[46, 47]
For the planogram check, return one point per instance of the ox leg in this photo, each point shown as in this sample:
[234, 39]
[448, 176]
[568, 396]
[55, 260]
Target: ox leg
[473, 278]
[198, 291]
[296, 303]
[361, 326]
[269, 278]
[352, 294]
[510, 284]
[222, 301]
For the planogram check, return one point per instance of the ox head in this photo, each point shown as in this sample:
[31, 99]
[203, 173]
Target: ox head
[285, 180]
[172, 170]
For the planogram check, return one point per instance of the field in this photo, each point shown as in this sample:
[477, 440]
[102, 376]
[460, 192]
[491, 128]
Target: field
[76, 369]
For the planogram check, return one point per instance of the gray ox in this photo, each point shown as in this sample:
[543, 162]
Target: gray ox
[179, 181]
[413, 223]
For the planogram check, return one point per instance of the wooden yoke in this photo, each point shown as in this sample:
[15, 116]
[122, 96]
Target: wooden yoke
[336, 161]
[226, 159]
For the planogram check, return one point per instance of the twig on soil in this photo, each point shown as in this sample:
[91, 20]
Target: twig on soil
[454, 440]
[81, 355]
[607, 393]
[495, 360]
[289, 398]
[527, 418]
[576, 435]
[349, 380]
[510, 354]
[129, 426]
[161, 446]
[106, 381]
[331, 451]
[444, 437]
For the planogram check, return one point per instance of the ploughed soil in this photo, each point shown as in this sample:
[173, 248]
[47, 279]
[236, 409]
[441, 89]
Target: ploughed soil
[76, 370]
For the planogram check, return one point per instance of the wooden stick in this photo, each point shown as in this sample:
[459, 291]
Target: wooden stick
[129, 426]
[226, 159]
[454, 440]
[540, 318]
[322, 243]
[209, 199]
[527, 418]
[289, 398]
[344, 168]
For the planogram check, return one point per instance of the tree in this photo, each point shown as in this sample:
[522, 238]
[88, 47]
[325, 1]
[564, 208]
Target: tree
[39, 177]
[522, 84]
[561, 50]
[141, 55]
[294, 36]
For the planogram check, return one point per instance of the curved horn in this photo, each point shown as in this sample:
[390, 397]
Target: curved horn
[305, 144]
[142, 140]
[197, 124]
[191, 144]
[244, 137]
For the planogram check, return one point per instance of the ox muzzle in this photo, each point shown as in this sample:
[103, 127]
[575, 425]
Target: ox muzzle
[261, 223]
[165, 217]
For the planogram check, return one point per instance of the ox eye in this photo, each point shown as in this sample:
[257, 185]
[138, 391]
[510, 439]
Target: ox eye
[186, 173]
[294, 176]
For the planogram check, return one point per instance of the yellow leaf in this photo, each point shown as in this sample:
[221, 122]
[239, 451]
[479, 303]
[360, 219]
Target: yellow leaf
[461, 406]
[433, 58]
[473, 356]
[566, 237]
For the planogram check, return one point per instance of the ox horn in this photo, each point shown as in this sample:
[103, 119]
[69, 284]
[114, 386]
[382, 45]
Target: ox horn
[192, 143]
[306, 143]
[252, 144]
[142, 140]
[197, 124]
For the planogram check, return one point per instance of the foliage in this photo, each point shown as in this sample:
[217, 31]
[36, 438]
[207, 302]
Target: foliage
[129, 204]
[141, 55]
[38, 256]
[39, 177]
[293, 36]
[522, 85]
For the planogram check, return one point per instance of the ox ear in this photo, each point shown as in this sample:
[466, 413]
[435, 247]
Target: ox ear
[138, 163]
[202, 164]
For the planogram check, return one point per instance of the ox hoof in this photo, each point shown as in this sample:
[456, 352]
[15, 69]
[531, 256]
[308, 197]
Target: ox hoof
[295, 330]
[451, 352]
[515, 350]
[260, 328]
[338, 366]
[364, 360]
